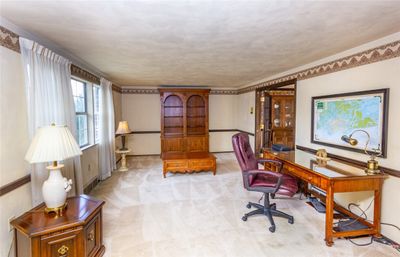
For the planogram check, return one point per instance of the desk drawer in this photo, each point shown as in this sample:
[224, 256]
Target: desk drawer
[303, 175]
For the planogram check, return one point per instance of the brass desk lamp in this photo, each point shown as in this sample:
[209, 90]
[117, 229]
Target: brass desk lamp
[372, 164]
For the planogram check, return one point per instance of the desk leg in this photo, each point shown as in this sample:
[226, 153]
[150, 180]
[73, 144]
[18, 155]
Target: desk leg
[329, 216]
[377, 210]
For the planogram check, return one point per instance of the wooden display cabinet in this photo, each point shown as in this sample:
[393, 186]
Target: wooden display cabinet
[282, 120]
[184, 120]
[184, 130]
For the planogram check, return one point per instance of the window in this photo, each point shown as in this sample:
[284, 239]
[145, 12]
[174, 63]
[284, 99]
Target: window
[96, 112]
[80, 99]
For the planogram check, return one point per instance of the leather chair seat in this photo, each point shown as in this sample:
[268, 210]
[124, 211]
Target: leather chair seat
[288, 187]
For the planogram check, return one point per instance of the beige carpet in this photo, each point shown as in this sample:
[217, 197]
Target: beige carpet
[199, 215]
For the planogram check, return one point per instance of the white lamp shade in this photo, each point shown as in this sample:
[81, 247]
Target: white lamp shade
[123, 128]
[52, 143]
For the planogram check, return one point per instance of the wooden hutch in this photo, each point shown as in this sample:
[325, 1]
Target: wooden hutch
[275, 118]
[184, 130]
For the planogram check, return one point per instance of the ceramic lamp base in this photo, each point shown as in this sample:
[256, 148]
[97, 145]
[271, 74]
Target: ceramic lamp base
[55, 190]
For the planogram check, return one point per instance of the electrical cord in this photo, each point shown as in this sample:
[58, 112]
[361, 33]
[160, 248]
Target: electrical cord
[358, 244]
[11, 245]
[362, 215]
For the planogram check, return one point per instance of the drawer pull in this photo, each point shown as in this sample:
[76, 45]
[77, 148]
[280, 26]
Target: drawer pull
[91, 236]
[63, 250]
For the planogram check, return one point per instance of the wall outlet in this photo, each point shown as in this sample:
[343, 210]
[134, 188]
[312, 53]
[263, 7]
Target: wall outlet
[10, 227]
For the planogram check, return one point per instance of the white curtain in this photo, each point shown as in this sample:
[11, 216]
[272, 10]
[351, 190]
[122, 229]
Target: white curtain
[107, 130]
[49, 100]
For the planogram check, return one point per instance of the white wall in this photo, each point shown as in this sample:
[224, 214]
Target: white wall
[13, 142]
[245, 120]
[221, 116]
[385, 74]
[142, 111]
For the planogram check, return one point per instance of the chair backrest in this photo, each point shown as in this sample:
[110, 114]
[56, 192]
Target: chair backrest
[243, 152]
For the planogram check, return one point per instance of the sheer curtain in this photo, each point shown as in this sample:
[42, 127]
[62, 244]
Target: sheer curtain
[107, 130]
[49, 100]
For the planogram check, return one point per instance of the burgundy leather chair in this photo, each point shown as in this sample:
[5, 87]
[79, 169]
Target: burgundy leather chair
[267, 182]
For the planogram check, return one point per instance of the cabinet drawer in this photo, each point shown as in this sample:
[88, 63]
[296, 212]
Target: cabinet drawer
[92, 236]
[201, 164]
[64, 244]
[176, 164]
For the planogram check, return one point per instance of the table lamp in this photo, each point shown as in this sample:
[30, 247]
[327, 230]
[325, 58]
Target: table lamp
[123, 129]
[372, 164]
[52, 144]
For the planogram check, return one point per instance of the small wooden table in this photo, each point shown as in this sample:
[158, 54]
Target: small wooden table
[188, 162]
[334, 177]
[123, 153]
[76, 232]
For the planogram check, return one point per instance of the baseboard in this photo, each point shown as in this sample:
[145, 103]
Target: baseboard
[142, 155]
[91, 185]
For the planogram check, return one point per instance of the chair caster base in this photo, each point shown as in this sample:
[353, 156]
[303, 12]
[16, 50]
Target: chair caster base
[272, 229]
[248, 206]
[291, 220]
[244, 218]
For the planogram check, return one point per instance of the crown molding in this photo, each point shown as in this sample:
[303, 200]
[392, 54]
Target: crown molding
[155, 91]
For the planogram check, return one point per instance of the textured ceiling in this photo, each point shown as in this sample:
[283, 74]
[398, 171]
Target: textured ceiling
[212, 43]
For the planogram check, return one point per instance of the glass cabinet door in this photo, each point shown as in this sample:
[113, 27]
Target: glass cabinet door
[288, 113]
[276, 112]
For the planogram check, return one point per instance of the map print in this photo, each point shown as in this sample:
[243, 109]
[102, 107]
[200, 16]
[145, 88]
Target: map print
[336, 117]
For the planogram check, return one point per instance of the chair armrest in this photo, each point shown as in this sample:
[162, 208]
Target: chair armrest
[277, 163]
[269, 173]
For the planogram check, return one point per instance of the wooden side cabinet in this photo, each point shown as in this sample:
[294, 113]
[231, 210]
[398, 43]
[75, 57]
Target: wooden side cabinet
[75, 233]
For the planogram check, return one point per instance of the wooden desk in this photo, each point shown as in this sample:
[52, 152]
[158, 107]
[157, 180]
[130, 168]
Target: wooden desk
[333, 178]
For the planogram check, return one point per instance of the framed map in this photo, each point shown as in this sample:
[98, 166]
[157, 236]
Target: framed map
[336, 115]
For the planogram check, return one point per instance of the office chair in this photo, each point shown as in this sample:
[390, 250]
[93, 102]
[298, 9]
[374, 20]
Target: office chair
[258, 180]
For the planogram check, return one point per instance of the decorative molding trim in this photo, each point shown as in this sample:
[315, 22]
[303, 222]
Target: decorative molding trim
[146, 132]
[155, 91]
[281, 92]
[81, 73]
[393, 172]
[380, 53]
[15, 184]
[249, 133]
[116, 88]
[9, 39]
[222, 130]
[223, 92]
[139, 91]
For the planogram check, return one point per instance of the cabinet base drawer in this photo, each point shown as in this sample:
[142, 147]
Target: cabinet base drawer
[189, 162]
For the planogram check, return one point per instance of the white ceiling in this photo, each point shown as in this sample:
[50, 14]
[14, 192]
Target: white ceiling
[214, 43]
